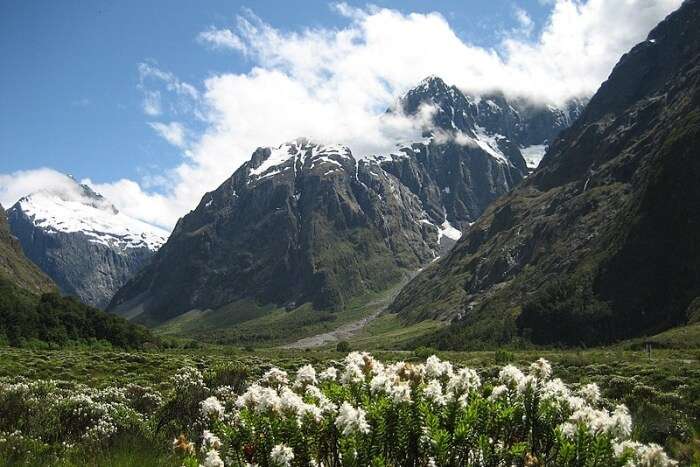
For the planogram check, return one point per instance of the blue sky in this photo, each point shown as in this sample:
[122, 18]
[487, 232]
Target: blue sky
[77, 76]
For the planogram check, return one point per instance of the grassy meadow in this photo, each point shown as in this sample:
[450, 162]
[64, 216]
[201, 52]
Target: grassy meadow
[662, 391]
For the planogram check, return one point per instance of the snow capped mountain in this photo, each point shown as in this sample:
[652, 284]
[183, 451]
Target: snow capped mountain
[506, 128]
[90, 214]
[305, 222]
[81, 240]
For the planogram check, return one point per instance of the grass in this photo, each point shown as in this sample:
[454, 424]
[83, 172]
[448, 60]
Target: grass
[388, 332]
[247, 323]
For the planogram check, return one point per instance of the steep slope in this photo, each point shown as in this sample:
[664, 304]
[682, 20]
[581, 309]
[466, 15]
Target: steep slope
[600, 243]
[57, 321]
[82, 241]
[308, 223]
[298, 223]
[15, 267]
[473, 149]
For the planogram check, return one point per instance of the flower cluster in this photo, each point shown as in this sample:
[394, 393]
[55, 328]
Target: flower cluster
[366, 412]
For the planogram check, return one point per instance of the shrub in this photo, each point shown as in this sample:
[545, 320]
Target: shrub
[343, 346]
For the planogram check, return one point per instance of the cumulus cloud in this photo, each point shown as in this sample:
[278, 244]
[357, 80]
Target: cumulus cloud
[15, 185]
[334, 85]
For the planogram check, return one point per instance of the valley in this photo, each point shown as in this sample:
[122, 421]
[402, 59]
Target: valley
[470, 276]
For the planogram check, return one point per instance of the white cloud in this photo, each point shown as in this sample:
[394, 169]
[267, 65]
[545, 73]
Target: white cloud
[173, 132]
[333, 85]
[15, 185]
[525, 23]
[222, 39]
[151, 103]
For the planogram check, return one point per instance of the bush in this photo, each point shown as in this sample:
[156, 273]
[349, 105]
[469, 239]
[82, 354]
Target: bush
[343, 346]
[423, 352]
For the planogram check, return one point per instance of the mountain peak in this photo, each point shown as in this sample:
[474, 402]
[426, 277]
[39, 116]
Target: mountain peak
[73, 207]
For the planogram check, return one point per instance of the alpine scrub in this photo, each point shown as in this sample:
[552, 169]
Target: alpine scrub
[403, 414]
[357, 412]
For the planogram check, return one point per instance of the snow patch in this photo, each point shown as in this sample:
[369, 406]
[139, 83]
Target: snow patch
[101, 222]
[533, 154]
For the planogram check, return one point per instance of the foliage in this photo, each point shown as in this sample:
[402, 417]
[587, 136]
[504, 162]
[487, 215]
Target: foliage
[567, 312]
[52, 320]
[343, 346]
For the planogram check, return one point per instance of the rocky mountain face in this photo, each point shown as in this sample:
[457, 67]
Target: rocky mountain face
[15, 267]
[82, 241]
[311, 223]
[601, 241]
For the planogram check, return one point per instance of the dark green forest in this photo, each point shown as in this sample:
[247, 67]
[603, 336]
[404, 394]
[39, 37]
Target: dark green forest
[51, 320]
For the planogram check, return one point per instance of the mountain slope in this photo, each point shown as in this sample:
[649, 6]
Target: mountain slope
[600, 243]
[81, 241]
[15, 267]
[298, 223]
[305, 223]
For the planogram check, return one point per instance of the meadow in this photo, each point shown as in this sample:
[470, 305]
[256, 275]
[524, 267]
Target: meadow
[71, 407]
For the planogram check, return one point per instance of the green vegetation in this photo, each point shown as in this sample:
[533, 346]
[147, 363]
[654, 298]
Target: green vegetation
[662, 392]
[55, 321]
[343, 347]
[246, 322]
[15, 267]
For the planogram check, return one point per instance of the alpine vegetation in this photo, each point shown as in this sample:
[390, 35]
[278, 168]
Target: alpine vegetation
[364, 412]
[357, 412]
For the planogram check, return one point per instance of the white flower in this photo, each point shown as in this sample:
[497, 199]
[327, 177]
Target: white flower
[541, 369]
[435, 368]
[351, 420]
[290, 401]
[212, 408]
[556, 392]
[282, 455]
[590, 392]
[275, 377]
[259, 398]
[433, 392]
[329, 374]
[643, 455]
[510, 376]
[620, 424]
[210, 441]
[399, 392]
[379, 384]
[306, 375]
[462, 382]
[498, 392]
[526, 383]
[213, 459]
[352, 374]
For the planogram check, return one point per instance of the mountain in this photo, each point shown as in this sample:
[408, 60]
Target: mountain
[311, 223]
[600, 243]
[15, 267]
[82, 241]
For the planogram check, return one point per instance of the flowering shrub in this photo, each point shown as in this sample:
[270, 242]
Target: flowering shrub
[360, 412]
[403, 414]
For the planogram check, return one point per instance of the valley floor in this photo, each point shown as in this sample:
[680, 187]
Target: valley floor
[661, 390]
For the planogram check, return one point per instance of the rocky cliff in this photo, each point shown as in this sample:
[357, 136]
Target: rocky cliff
[600, 242]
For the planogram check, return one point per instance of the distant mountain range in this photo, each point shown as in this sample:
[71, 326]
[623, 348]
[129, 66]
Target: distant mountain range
[82, 241]
[311, 223]
[601, 242]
